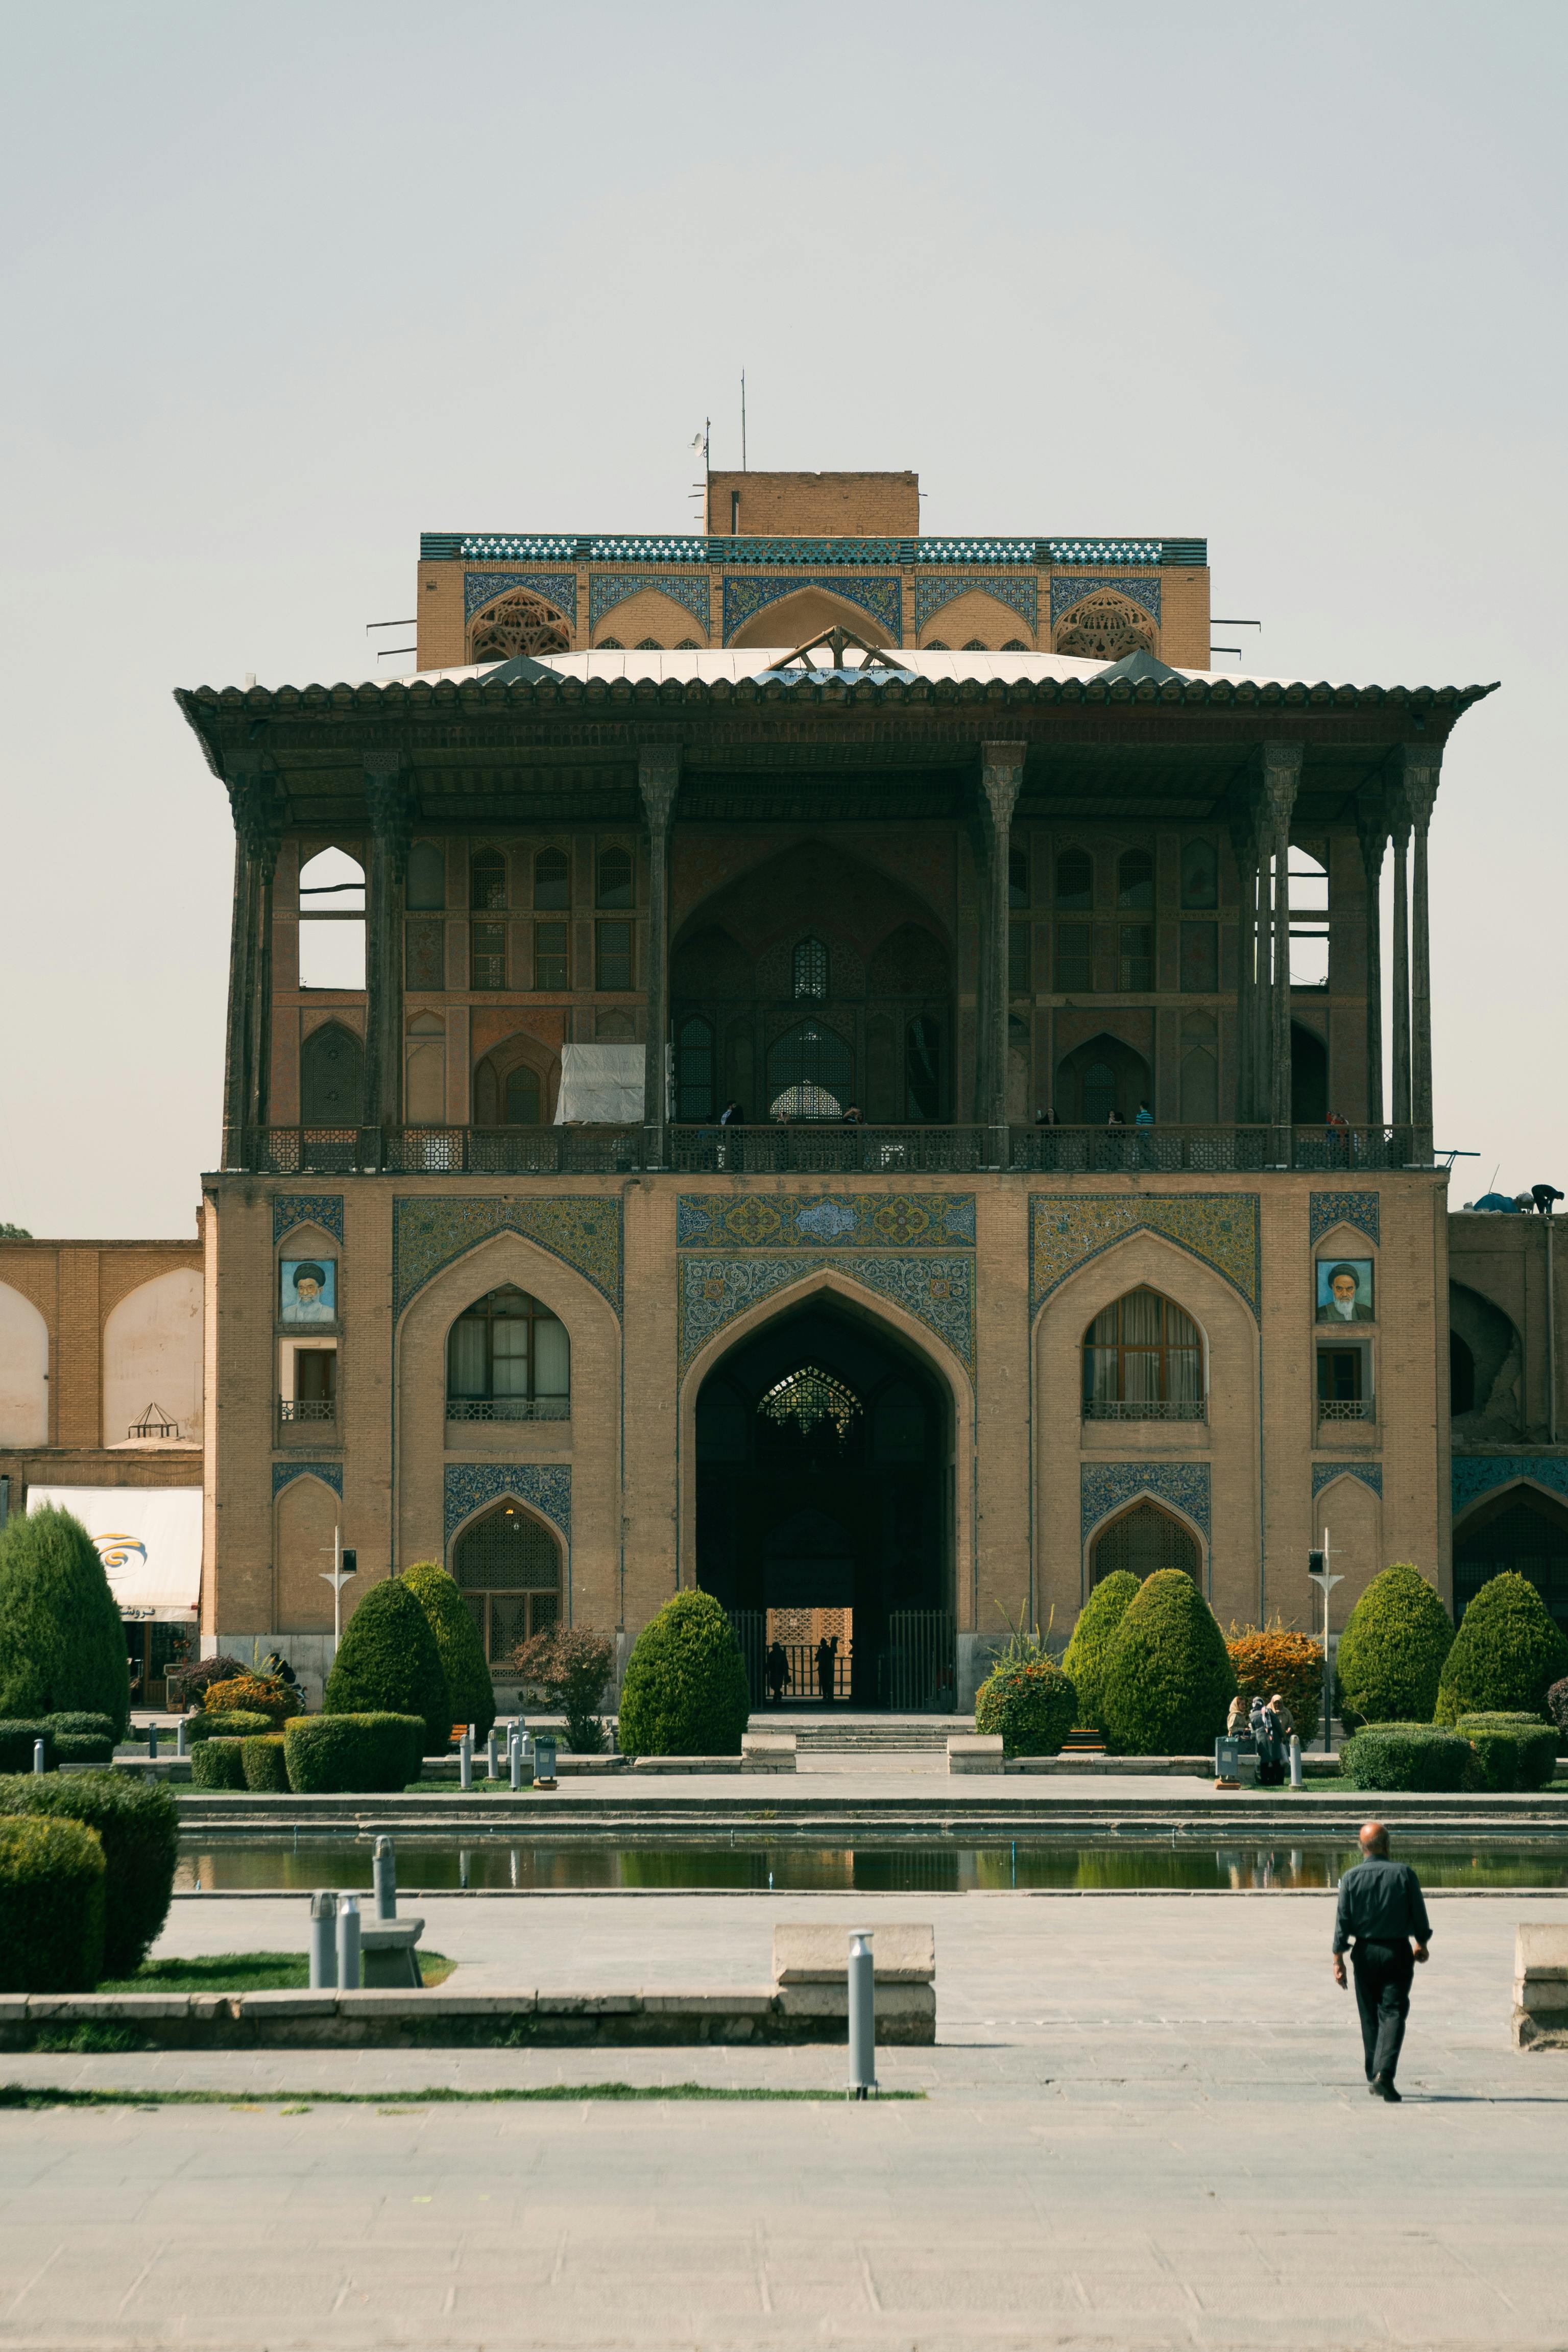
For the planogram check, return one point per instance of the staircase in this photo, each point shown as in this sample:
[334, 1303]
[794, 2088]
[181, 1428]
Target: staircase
[874, 1735]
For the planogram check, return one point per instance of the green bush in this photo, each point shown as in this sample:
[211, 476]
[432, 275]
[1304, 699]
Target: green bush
[1034, 1706]
[138, 1823]
[239, 1722]
[1084, 1663]
[685, 1692]
[77, 1748]
[388, 1664]
[51, 1906]
[469, 1693]
[61, 1640]
[218, 1764]
[1557, 1708]
[1392, 1650]
[1511, 1751]
[16, 1745]
[265, 1764]
[325, 1754]
[1408, 1756]
[1507, 1654]
[75, 1724]
[1168, 1679]
[1273, 1659]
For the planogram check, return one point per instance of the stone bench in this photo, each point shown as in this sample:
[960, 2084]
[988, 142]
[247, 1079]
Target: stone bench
[975, 1751]
[812, 1972]
[1541, 1986]
[387, 1957]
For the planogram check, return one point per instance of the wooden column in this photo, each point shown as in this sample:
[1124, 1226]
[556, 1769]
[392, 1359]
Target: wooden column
[1243, 825]
[247, 1045]
[1399, 827]
[1422, 764]
[658, 781]
[1282, 779]
[1001, 781]
[1372, 827]
[387, 797]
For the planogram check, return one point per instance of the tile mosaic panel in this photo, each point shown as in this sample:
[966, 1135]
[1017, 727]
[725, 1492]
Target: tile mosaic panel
[559, 588]
[545, 1486]
[608, 588]
[1358, 1209]
[1067, 1229]
[1325, 1472]
[331, 1472]
[1065, 593]
[930, 595]
[829, 1221]
[1107, 1487]
[883, 599]
[1476, 1474]
[323, 1209]
[936, 1291]
[429, 1234]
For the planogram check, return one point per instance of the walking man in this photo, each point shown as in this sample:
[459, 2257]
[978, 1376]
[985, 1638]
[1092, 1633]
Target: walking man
[1380, 1908]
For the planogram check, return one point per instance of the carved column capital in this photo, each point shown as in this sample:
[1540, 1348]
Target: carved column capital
[389, 793]
[658, 782]
[1001, 781]
[1371, 829]
[1280, 781]
[1420, 771]
[255, 808]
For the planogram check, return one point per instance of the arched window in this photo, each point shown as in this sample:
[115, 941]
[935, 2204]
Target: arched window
[610, 645]
[810, 1073]
[810, 969]
[1310, 935]
[1143, 1540]
[332, 1077]
[522, 1098]
[507, 1359]
[935, 645]
[487, 880]
[1074, 878]
[1135, 879]
[614, 877]
[1199, 874]
[1142, 1361]
[922, 1070]
[976, 646]
[508, 1568]
[807, 1397]
[1017, 877]
[519, 624]
[426, 886]
[552, 881]
[1015, 645]
[1099, 1094]
[694, 1068]
[332, 921]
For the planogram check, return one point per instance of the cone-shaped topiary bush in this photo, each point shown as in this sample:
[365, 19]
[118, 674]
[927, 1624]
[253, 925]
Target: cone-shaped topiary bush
[139, 1824]
[388, 1664]
[51, 1906]
[1084, 1661]
[1507, 1654]
[62, 1644]
[468, 1685]
[1392, 1650]
[1033, 1705]
[685, 1692]
[1169, 1678]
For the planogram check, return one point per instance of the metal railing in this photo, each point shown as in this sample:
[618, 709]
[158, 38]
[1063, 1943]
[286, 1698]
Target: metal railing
[1346, 1409]
[307, 1409]
[508, 1408]
[1144, 1409]
[787, 1147]
[1095, 1150]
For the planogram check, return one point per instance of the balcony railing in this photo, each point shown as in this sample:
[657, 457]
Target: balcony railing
[1346, 1409]
[1144, 1409]
[508, 1409]
[791, 1149]
[307, 1409]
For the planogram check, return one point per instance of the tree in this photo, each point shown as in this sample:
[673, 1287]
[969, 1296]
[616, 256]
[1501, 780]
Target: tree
[15, 1234]
[1392, 1650]
[570, 1663]
[1506, 1655]
[62, 1643]
[1169, 1677]
[468, 1685]
[388, 1664]
[685, 1692]
[1084, 1661]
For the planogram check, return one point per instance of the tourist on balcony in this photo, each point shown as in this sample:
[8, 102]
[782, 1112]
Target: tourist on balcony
[732, 1115]
[1144, 1117]
[1115, 1120]
[1047, 1118]
[852, 1115]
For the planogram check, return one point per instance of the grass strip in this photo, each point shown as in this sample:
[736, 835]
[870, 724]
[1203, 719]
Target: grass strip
[25, 2095]
[245, 1972]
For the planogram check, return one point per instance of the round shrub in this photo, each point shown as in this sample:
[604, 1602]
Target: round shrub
[1557, 1707]
[1507, 1654]
[75, 1747]
[139, 1824]
[51, 1906]
[1511, 1751]
[468, 1688]
[61, 1640]
[242, 1723]
[1408, 1756]
[685, 1692]
[252, 1694]
[1084, 1663]
[218, 1764]
[1033, 1706]
[1290, 1664]
[1392, 1650]
[388, 1664]
[328, 1754]
[264, 1763]
[75, 1724]
[16, 1745]
[1169, 1678]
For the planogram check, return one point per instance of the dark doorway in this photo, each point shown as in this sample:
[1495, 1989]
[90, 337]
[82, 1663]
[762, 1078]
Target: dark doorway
[1308, 1078]
[1520, 1530]
[1100, 1078]
[332, 1077]
[1143, 1540]
[1461, 1376]
[824, 1503]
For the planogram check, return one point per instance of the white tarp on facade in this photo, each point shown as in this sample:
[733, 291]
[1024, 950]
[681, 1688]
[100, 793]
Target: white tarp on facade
[149, 1539]
[600, 1085]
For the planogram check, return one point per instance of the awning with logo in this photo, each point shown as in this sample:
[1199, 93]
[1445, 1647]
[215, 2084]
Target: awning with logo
[149, 1539]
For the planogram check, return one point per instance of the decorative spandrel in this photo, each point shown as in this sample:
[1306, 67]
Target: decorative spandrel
[939, 1292]
[428, 1234]
[1066, 1230]
[825, 1221]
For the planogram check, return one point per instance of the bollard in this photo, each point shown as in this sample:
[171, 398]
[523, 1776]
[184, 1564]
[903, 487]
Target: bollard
[466, 1759]
[863, 2016]
[348, 1943]
[323, 1945]
[515, 1759]
[182, 1744]
[492, 1760]
[37, 1755]
[153, 1739]
[383, 1872]
[1295, 1761]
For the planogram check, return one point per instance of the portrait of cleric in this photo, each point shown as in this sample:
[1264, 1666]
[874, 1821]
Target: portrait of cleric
[307, 1290]
[1345, 1291]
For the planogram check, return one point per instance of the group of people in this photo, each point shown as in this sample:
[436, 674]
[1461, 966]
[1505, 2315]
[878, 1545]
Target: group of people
[827, 1662]
[1142, 1117]
[1271, 1727]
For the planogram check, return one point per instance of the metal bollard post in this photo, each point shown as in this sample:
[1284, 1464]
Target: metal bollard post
[492, 1759]
[153, 1739]
[863, 2016]
[515, 1758]
[181, 1742]
[348, 1943]
[466, 1759]
[383, 1871]
[37, 1755]
[323, 1943]
[1295, 1761]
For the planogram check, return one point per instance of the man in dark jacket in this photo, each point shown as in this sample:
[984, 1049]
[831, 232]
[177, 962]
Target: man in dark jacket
[1380, 1908]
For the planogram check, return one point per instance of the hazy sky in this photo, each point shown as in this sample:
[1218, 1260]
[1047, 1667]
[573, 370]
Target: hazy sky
[285, 284]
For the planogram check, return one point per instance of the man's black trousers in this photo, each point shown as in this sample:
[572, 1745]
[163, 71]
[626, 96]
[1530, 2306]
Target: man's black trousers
[1383, 1974]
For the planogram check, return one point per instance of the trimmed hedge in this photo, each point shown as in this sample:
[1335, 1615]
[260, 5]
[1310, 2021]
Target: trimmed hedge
[76, 1748]
[252, 1694]
[16, 1745]
[1392, 1650]
[216, 1764]
[1408, 1756]
[1033, 1706]
[685, 1691]
[265, 1764]
[1083, 1662]
[61, 1640]
[1290, 1664]
[1511, 1751]
[75, 1724]
[240, 1723]
[1168, 1679]
[325, 1754]
[1557, 1707]
[51, 1906]
[1507, 1654]
[388, 1664]
[469, 1691]
[138, 1823]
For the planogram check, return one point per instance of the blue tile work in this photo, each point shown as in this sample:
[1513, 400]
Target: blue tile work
[832, 1221]
[331, 1472]
[608, 588]
[546, 1487]
[1067, 1229]
[1325, 1472]
[428, 1234]
[1358, 1209]
[1107, 1487]
[481, 587]
[1476, 1474]
[883, 599]
[323, 1209]
[1065, 593]
[930, 595]
[936, 1291]
[683, 547]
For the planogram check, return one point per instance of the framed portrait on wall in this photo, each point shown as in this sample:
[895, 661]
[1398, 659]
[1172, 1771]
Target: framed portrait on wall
[307, 1290]
[1344, 1290]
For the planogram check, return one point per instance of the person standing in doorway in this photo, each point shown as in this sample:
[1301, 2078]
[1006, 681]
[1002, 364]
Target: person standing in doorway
[1381, 1920]
[827, 1668]
[777, 1670]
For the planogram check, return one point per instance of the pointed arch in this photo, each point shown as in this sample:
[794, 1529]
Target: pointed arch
[24, 1370]
[519, 621]
[1147, 1532]
[508, 1559]
[792, 619]
[307, 1514]
[153, 1352]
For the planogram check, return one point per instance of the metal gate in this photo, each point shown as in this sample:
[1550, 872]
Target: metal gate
[922, 1661]
[751, 1632]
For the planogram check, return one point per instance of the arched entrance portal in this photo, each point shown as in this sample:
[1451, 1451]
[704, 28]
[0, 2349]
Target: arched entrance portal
[824, 1509]
[1522, 1529]
[506, 1565]
[1143, 1540]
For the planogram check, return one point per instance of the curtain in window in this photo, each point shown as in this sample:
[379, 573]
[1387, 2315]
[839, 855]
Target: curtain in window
[1183, 1358]
[465, 1360]
[509, 1358]
[552, 1361]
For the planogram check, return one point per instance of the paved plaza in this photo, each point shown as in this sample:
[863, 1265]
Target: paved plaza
[1144, 2126]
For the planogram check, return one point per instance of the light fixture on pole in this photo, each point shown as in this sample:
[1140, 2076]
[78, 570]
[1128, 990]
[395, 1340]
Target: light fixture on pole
[1318, 1569]
[344, 1565]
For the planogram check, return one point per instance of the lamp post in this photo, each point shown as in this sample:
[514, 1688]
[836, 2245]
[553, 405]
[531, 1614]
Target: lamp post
[1318, 1569]
[344, 1565]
